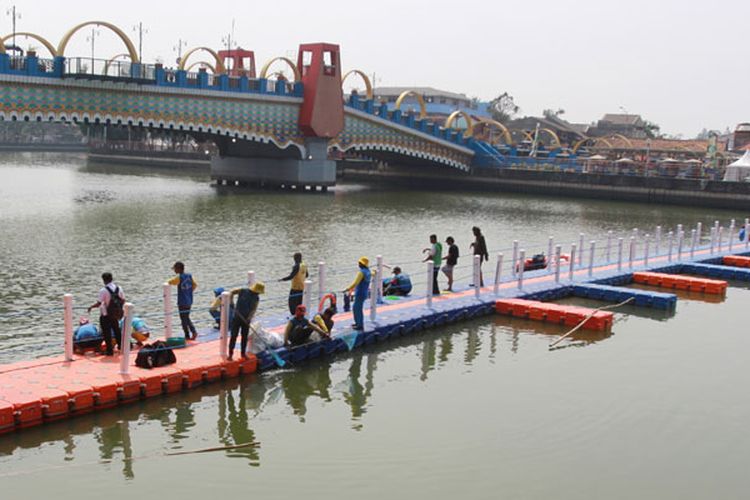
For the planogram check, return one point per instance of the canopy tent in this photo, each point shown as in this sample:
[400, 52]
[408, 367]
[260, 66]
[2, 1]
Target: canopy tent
[739, 170]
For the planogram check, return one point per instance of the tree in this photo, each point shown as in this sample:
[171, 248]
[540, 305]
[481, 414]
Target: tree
[652, 130]
[551, 113]
[503, 108]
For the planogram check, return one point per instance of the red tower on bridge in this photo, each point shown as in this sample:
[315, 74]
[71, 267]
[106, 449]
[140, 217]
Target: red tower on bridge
[238, 62]
[322, 112]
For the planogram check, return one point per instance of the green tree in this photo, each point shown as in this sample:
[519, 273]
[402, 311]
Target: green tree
[503, 108]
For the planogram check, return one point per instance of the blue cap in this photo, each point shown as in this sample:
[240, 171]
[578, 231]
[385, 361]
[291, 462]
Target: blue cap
[218, 291]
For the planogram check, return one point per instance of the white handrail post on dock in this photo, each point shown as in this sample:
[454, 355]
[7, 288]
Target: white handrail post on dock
[720, 238]
[167, 293]
[477, 274]
[430, 271]
[698, 234]
[646, 245]
[550, 246]
[321, 280]
[125, 339]
[558, 251]
[572, 261]
[680, 240]
[521, 266]
[250, 278]
[747, 233]
[592, 252]
[670, 237]
[374, 294]
[379, 260]
[693, 241]
[619, 253]
[514, 262]
[609, 245]
[307, 295]
[635, 232]
[713, 240]
[631, 252]
[226, 299]
[732, 229]
[657, 240]
[68, 322]
[580, 250]
[498, 273]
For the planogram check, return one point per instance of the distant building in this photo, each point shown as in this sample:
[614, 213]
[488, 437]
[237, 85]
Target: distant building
[567, 133]
[631, 126]
[741, 137]
[438, 103]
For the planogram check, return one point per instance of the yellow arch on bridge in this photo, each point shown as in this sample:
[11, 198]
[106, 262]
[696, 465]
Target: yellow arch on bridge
[625, 139]
[503, 128]
[368, 83]
[218, 67]
[295, 69]
[525, 133]
[420, 100]
[594, 142]
[469, 122]
[117, 31]
[47, 45]
[111, 60]
[205, 63]
[552, 134]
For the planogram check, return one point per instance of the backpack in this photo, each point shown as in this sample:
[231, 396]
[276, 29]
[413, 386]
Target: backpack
[155, 355]
[115, 305]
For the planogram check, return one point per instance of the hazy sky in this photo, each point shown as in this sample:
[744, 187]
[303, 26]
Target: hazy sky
[682, 64]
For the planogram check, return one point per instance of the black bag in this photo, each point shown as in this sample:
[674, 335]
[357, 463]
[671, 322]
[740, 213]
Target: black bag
[155, 355]
[115, 305]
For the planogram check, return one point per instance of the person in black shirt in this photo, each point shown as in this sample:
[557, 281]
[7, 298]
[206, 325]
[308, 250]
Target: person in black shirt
[450, 261]
[480, 248]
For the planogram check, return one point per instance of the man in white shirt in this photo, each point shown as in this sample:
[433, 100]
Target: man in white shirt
[110, 303]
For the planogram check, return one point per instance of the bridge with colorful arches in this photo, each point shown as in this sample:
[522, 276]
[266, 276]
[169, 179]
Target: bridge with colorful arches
[268, 128]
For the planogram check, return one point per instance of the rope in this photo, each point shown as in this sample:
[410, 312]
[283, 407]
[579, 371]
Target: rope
[591, 315]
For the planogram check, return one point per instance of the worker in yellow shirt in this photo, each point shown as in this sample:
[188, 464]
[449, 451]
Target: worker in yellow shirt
[297, 277]
[360, 287]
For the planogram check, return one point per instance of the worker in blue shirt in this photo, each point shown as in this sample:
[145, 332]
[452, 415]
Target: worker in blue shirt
[360, 287]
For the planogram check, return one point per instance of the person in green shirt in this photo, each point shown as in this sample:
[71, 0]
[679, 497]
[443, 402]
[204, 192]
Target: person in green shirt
[434, 253]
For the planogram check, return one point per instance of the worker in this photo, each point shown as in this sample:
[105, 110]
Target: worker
[399, 284]
[248, 299]
[360, 286]
[325, 319]
[215, 308]
[299, 329]
[185, 286]
[297, 277]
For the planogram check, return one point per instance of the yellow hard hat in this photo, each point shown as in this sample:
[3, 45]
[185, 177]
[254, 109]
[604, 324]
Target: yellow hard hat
[364, 261]
[258, 287]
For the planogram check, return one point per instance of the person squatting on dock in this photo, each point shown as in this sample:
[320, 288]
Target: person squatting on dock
[215, 308]
[360, 287]
[247, 304]
[299, 329]
[450, 261]
[399, 284]
[110, 303]
[480, 248]
[434, 252]
[297, 277]
[185, 285]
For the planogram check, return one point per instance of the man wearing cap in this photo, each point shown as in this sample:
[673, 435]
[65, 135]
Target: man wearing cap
[185, 286]
[360, 286]
[299, 329]
[244, 310]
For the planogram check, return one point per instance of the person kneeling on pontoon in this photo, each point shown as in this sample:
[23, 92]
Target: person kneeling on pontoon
[299, 330]
[399, 284]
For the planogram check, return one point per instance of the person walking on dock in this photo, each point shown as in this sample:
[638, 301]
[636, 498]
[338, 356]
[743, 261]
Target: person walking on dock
[297, 277]
[450, 261]
[360, 286]
[434, 252]
[110, 302]
[480, 248]
[185, 285]
[244, 311]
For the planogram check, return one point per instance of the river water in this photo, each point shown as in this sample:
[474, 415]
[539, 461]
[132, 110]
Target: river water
[475, 410]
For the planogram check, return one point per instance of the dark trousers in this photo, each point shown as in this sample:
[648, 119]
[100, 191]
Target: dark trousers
[242, 328]
[187, 325]
[110, 328]
[435, 287]
[295, 299]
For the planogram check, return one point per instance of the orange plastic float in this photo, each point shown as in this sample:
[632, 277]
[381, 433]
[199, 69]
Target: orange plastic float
[736, 261]
[555, 313]
[679, 282]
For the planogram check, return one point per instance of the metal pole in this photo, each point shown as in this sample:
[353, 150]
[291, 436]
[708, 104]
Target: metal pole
[680, 238]
[379, 288]
[374, 291]
[521, 265]
[732, 229]
[670, 237]
[68, 322]
[657, 242]
[580, 250]
[572, 261]
[609, 245]
[693, 239]
[498, 273]
[250, 278]
[476, 271]
[430, 270]
[646, 245]
[321, 280]
[226, 298]
[550, 246]
[631, 252]
[307, 294]
[558, 250]
[515, 259]
[592, 251]
[167, 293]
[125, 339]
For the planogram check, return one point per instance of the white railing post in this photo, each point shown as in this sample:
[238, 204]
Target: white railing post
[747, 233]
[609, 246]
[226, 298]
[125, 339]
[558, 251]
[250, 278]
[521, 266]
[657, 241]
[307, 295]
[680, 241]
[498, 273]
[720, 238]
[430, 271]
[646, 245]
[670, 237]
[693, 240]
[374, 288]
[476, 272]
[515, 259]
[321, 280]
[572, 261]
[68, 322]
[592, 252]
[698, 234]
[379, 267]
[631, 252]
[167, 294]
[619, 253]
[580, 249]
[550, 246]
[732, 230]
[713, 240]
